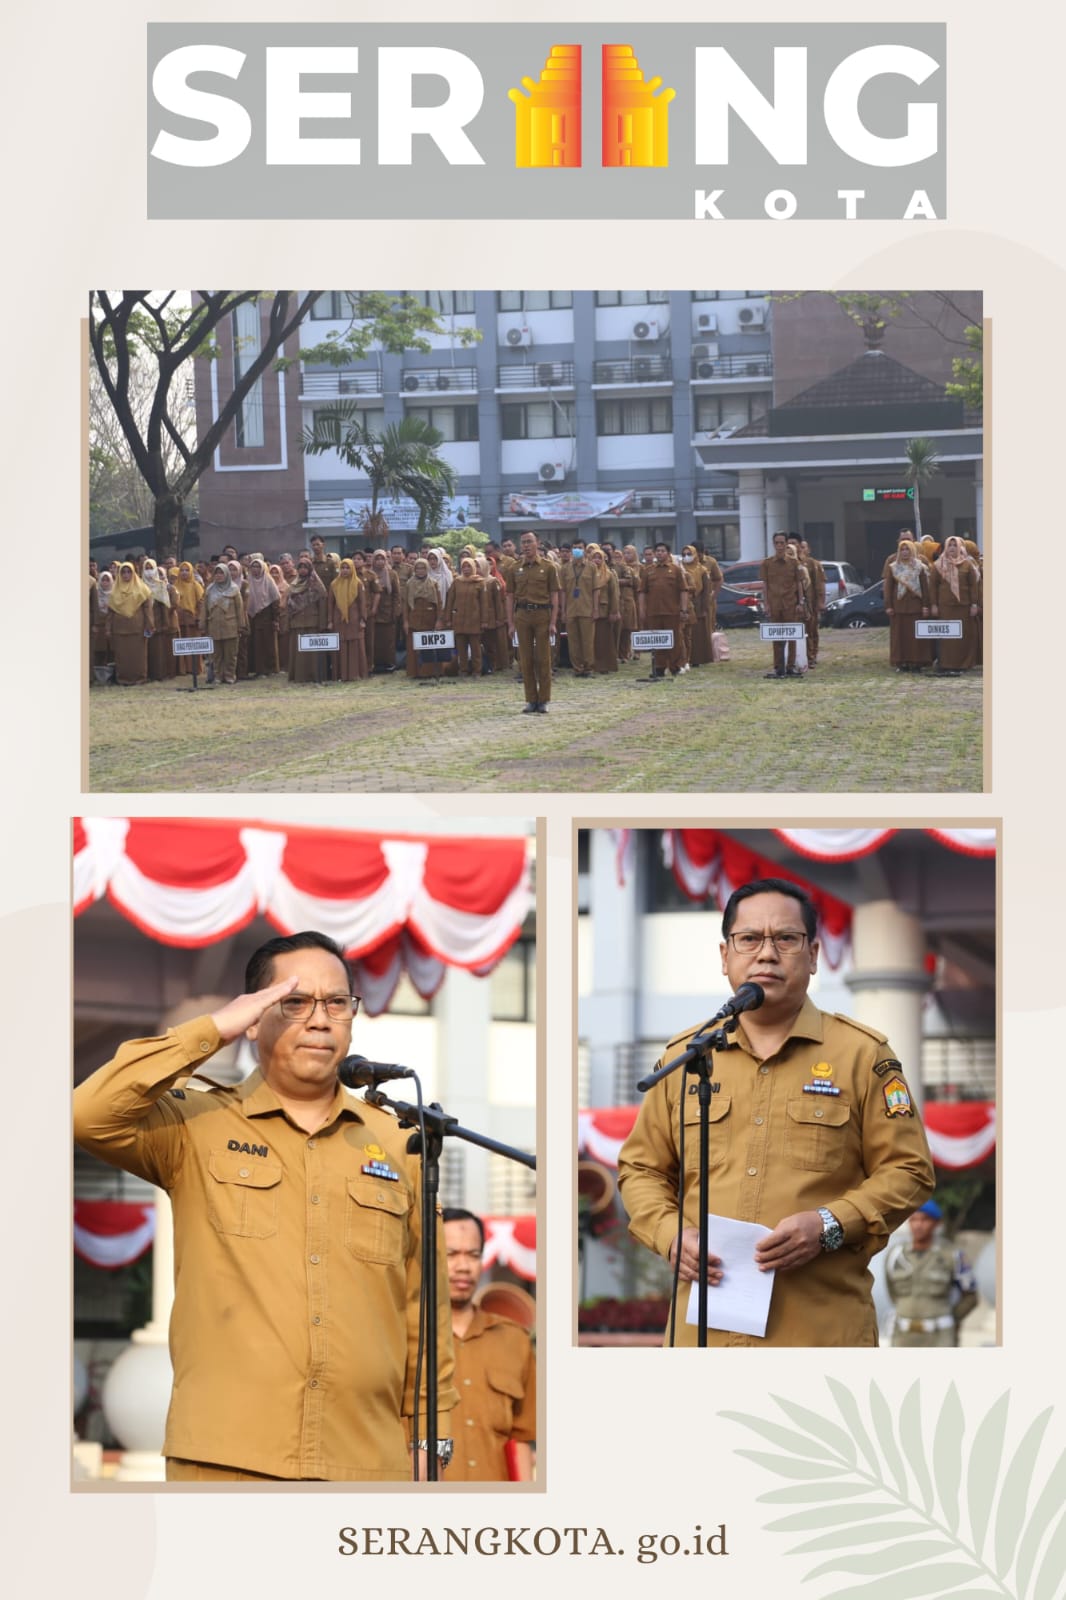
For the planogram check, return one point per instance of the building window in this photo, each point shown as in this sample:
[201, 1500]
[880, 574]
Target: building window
[729, 294]
[539, 419]
[514, 984]
[445, 302]
[372, 418]
[458, 424]
[720, 539]
[632, 297]
[337, 305]
[634, 416]
[249, 420]
[534, 299]
[727, 410]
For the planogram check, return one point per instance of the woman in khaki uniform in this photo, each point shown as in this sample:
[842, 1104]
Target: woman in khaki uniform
[956, 584]
[283, 616]
[188, 592]
[497, 639]
[346, 617]
[465, 610]
[907, 597]
[606, 614]
[384, 607]
[628, 578]
[100, 622]
[695, 632]
[222, 616]
[421, 611]
[306, 604]
[263, 603]
[581, 581]
[161, 663]
[131, 623]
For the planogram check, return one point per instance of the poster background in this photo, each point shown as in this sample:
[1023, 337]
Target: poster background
[634, 1439]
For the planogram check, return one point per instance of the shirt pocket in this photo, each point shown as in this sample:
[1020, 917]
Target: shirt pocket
[505, 1391]
[375, 1220]
[718, 1131]
[242, 1199]
[816, 1132]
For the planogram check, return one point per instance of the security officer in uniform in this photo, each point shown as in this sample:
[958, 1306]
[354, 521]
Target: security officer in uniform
[495, 1370]
[931, 1283]
[532, 613]
[297, 1228]
[813, 1134]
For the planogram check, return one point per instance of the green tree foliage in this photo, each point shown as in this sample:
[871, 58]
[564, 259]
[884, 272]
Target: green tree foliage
[969, 385]
[383, 323]
[402, 460]
[922, 461]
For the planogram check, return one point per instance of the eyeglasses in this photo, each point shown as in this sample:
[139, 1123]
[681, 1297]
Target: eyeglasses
[787, 943]
[302, 1007]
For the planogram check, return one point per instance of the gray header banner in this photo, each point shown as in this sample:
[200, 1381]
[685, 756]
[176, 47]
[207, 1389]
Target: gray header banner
[538, 121]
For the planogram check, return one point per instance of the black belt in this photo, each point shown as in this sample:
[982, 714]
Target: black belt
[532, 605]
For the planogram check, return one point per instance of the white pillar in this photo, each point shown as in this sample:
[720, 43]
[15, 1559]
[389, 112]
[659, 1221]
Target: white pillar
[776, 510]
[889, 980]
[751, 502]
[979, 500]
[462, 1010]
[610, 1010]
[137, 1388]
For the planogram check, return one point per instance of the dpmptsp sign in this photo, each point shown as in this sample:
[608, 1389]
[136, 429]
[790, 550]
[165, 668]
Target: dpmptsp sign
[713, 121]
[192, 647]
[653, 639]
[782, 632]
[318, 641]
[444, 639]
[926, 628]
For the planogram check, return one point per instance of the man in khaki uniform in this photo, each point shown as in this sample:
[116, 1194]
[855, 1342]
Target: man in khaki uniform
[931, 1284]
[495, 1370]
[784, 596]
[815, 598]
[532, 612]
[813, 1134]
[664, 603]
[297, 1231]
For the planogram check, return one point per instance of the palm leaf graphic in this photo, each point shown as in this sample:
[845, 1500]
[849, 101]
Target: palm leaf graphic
[905, 1500]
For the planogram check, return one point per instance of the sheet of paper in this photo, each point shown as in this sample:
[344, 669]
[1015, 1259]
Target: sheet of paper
[741, 1302]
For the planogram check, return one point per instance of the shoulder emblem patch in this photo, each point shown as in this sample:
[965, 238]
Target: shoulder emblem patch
[897, 1099]
[882, 1068]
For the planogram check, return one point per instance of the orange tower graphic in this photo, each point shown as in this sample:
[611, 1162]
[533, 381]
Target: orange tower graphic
[635, 132]
[548, 118]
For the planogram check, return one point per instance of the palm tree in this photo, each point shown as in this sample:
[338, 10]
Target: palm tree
[923, 460]
[401, 460]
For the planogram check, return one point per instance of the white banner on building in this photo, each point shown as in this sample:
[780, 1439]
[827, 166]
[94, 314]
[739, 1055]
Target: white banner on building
[401, 514]
[572, 507]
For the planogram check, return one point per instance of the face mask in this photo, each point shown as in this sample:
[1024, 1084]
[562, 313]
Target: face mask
[687, 560]
[578, 552]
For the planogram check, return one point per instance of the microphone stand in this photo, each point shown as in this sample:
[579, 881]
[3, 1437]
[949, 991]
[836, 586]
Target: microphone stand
[433, 1126]
[695, 1059]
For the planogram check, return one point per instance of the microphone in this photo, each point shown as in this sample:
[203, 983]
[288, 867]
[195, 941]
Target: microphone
[749, 997]
[356, 1072]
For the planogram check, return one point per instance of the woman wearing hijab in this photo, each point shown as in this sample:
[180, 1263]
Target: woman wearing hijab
[305, 602]
[907, 597]
[222, 617]
[606, 614]
[466, 611]
[188, 592]
[346, 617]
[628, 585]
[421, 613]
[440, 572]
[100, 625]
[161, 663]
[236, 572]
[497, 641]
[130, 609]
[263, 603]
[695, 635]
[957, 598]
[282, 587]
[384, 607]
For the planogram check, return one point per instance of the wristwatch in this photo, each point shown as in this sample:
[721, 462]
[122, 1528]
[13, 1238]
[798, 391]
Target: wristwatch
[832, 1232]
[445, 1449]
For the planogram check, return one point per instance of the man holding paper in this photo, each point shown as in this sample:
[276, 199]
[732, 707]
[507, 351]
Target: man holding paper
[813, 1134]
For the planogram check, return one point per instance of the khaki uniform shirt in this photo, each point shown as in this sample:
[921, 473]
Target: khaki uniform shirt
[533, 584]
[664, 587]
[783, 584]
[932, 1283]
[496, 1376]
[779, 1144]
[296, 1264]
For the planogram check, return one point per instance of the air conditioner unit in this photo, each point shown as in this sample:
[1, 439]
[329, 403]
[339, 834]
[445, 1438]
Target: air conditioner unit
[410, 383]
[551, 471]
[517, 336]
[545, 372]
[443, 381]
[752, 316]
[707, 322]
[705, 369]
[645, 330]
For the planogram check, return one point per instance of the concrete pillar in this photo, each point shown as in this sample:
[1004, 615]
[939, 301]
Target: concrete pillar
[462, 1009]
[137, 1388]
[889, 980]
[610, 1011]
[752, 503]
[776, 510]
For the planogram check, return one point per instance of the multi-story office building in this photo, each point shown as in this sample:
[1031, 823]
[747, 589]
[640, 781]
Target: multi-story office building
[709, 415]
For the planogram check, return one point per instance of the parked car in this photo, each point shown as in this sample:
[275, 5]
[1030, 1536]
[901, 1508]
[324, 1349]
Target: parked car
[738, 609]
[841, 578]
[865, 610]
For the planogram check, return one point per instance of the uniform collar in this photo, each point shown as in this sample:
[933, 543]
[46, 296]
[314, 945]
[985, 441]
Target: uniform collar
[259, 1100]
[809, 1024]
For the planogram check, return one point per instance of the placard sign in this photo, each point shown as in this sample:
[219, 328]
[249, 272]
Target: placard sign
[318, 641]
[192, 647]
[653, 639]
[444, 639]
[779, 632]
[926, 628]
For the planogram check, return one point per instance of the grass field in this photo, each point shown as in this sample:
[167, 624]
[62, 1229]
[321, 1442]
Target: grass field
[852, 725]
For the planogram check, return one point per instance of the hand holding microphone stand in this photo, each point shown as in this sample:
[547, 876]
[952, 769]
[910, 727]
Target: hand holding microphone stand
[433, 1125]
[695, 1059]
